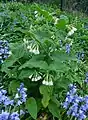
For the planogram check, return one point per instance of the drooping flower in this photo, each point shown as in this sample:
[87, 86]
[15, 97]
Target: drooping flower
[71, 32]
[36, 78]
[22, 112]
[33, 48]
[4, 115]
[14, 116]
[4, 50]
[21, 94]
[75, 104]
[68, 47]
[86, 80]
[49, 83]
[8, 104]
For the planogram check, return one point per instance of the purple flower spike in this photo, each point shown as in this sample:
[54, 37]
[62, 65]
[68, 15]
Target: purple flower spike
[4, 115]
[86, 80]
[68, 48]
[14, 116]
[21, 95]
[76, 105]
[4, 50]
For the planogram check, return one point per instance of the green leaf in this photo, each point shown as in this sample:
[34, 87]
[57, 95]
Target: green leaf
[62, 56]
[57, 66]
[8, 62]
[25, 73]
[63, 17]
[61, 24]
[54, 109]
[12, 73]
[31, 106]
[41, 36]
[39, 104]
[13, 86]
[46, 91]
[34, 63]
[45, 13]
[18, 50]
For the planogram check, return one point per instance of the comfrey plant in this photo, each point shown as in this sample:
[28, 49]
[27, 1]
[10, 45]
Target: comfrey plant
[8, 109]
[31, 47]
[75, 104]
[4, 50]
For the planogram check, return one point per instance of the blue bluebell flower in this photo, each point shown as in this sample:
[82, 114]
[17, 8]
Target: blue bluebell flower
[4, 115]
[82, 55]
[66, 105]
[14, 116]
[76, 105]
[21, 94]
[68, 47]
[4, 50]
[8, 104]
[72, 89]
[73, 110]
[81, 115]
[78, 56]
[22, 112]
[86, 80]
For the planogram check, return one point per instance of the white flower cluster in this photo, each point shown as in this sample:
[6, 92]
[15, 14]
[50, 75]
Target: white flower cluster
[36, 13]
[35, 78]
[53, 37]
[25, 41]
[49, 83]
[56, 20]
[33, 49]
[71, 32]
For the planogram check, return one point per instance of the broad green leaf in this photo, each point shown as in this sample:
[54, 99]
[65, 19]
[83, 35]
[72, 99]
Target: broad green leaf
[45, 13]
[25, 73]
[41, 36]
[12, 73]
[62, 56]
[61, 24]
[46, 91]
[31, 106]
[64, 18]
[34, 64]
[18, 50]
[57, 66]
[54, 109]
[63, 82]
[13, 86]
[83, 37]
[8, 62]
[39, 104]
